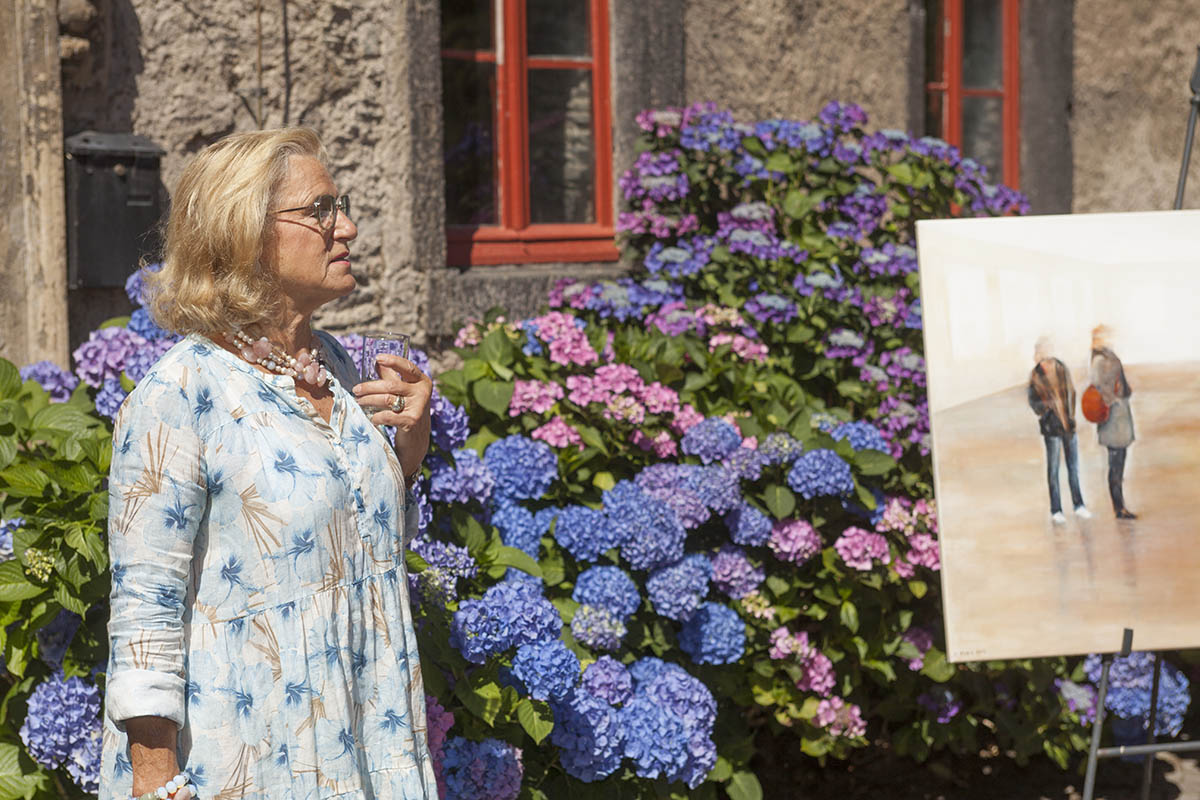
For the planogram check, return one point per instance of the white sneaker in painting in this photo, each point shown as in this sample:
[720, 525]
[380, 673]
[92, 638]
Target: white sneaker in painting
[1059, 518]
[1083, 513]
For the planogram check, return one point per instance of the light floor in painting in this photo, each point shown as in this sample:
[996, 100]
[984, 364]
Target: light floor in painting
[1018, 585]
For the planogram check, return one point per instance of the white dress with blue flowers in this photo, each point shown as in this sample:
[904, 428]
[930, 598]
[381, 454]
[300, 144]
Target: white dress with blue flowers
[259, 593]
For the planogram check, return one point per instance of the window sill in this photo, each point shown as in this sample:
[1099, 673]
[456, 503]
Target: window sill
[537, 244]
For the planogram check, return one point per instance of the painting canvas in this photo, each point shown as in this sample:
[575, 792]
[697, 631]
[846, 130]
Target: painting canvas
[1063, 357]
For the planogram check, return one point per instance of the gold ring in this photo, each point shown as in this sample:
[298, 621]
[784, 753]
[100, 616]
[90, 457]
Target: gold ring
[397, 405]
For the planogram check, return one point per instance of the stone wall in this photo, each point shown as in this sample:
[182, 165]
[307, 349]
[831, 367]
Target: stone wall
[783, 58]
[1133, 61]
[364, 74]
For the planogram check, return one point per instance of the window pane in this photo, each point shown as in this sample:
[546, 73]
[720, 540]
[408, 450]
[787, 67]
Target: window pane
[557, 27]
[468, 90]
[560, 146]
[934, 41]
[467, 24]
[981, 44]
[983, 133]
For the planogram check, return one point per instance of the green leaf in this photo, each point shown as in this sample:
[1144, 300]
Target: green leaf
[493, 395]
[592, 438]
[936, 667]
[23, 480]
[918, 588]
[604, 481]
[779, 161]
[13, 781]
[10, 379]
[553, 570]
[873, 462]
[780, 500]
[475, 537]
[744, 785]
[798, 203]
[536, 718]
[480, 440]
[512, 557]
[8, 450]
[415, 563]
[865, 496]
[13, 583]
[849, 616]
[480, 693]
[721, 771]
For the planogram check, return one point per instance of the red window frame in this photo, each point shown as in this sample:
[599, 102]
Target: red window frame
[515, 240]
[950, 84]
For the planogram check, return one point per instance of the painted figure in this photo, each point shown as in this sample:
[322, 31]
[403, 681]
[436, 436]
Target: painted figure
[1116, 430]
[1052, 398]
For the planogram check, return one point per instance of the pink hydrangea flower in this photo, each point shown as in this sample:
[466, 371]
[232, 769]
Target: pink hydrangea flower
[659, 399]
[535, 396]
[758, 606]
[439, 721]
[841, 718]
[686, 418]
[625, 408]
[794, 540]
[861, 548]
[818, 674]
[747, 349]
[618, 378]
[924, 552]
[582, 390]
[468, 334]
[557, 433]
[568, 344]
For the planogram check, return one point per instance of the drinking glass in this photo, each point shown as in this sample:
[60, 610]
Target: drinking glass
[374, 343]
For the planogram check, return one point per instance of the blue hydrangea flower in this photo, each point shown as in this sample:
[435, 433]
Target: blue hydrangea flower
[685, 257]
[447, 563]
[820, 473]
[715, 634]
[7, 528]
[55, 637]
[780, 448]
[609, 680]
[61, 715]
[487, 770]
[520, 528]
[548, 669]
[1130, 682]
[650, 533]
[83, 762]
[57, 382]
[716, 486]
[862, 436]
[746, 463]
[655, 739]
[748, 526]
[450, 424]
[141, 323]
[509, 614]
[598, 628]
[676, 591]
[135, 284]
[589, 735]
[141, 360]
[110, 397]
[712, 440]
[690, 701]
[669, 483]
[609, 588]
[469, 479]
[523, 468]
[584, 533]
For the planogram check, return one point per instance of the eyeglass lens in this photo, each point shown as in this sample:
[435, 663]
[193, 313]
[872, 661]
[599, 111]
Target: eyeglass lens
[328, 206]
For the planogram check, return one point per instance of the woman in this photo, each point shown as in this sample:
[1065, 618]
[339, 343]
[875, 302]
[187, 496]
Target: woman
[1115, 432]
[261, 640]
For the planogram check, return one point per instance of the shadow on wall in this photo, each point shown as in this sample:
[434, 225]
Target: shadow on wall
[101, 49]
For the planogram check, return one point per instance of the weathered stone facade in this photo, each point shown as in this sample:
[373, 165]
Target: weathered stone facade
[1104, 103]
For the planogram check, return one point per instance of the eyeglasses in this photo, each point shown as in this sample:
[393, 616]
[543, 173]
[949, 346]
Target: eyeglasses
[325, 208]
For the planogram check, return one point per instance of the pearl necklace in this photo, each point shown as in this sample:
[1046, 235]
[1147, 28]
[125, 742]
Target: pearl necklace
[307, 366]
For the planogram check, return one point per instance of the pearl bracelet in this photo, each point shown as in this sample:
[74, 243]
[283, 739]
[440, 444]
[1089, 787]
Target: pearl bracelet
[171, 790]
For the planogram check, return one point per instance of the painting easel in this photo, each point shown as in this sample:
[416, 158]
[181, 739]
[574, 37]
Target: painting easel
[1149, 749]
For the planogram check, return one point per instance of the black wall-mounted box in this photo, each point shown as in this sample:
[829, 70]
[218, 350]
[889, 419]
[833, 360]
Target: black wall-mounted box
[115, 199]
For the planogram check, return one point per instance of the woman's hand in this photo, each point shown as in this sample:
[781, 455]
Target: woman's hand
[399, 377]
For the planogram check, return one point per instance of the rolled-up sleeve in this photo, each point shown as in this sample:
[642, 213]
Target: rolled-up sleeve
[157, 497]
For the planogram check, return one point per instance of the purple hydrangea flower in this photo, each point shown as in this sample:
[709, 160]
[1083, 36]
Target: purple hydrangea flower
[685, 257]
[110, 397]
[62, 715]
[447, 563]
[597, 627]
[55, 637]
[609, 680]
[469, 479]
[650, 533]
[771, 309]
[141, 360]
[104, 354]
[451, 425]
[734, 574]
[508, 615]
[746, 462]
[941, 703]
[794, 540]
[487, 770]
[57, 382]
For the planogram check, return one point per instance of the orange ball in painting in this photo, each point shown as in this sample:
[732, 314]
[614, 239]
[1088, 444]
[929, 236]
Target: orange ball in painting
[1093, 406]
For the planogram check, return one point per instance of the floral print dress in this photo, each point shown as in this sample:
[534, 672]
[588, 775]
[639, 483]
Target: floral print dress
[259, 595]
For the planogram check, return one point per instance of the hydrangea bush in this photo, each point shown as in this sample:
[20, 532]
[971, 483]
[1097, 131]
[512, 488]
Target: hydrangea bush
[671, 526]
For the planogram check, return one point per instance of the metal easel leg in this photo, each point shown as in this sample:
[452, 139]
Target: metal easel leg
[1151, 738]
[1089, 781]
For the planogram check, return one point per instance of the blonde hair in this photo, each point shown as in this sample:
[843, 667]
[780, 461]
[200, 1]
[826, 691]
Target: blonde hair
[214, 276]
